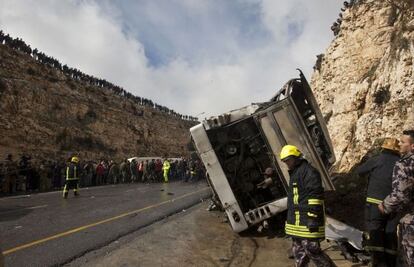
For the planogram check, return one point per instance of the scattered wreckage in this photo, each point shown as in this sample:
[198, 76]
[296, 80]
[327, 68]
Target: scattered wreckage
[237, 147]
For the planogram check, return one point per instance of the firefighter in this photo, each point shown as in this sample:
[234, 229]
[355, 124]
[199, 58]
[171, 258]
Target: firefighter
[305, 222]
[191, 170]
[72, 177]
[381, 229]
[166, 168]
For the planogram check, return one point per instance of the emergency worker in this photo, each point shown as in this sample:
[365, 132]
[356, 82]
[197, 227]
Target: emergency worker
[381, 229]
[305, 222]
[166, 169]
[72, 177]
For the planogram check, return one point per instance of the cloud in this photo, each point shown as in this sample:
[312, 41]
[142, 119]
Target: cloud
[192, 56]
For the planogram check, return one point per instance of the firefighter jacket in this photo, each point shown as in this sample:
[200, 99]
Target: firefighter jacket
[166, 166]
[72, 172]
[379, 169]
[401, 200]
[306, 218]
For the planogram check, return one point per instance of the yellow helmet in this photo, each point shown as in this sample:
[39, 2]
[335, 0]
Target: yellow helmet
[391, 144]
[75, 159]
[289, 150]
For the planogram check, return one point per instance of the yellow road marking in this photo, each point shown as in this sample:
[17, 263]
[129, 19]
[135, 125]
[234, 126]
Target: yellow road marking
[75, 230]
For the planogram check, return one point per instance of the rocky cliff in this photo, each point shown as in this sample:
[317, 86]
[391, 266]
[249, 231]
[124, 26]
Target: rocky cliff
[48, 115]
[365, 82]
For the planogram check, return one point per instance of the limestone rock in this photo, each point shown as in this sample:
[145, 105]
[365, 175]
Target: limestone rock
[48, 115]
[365, 84]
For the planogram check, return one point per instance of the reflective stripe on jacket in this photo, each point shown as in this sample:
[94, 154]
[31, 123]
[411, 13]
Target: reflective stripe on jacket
[72, 172]
[166, 165]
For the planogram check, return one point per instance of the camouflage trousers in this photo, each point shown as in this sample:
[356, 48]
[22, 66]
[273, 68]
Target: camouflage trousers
[305, 250]
[407, 242]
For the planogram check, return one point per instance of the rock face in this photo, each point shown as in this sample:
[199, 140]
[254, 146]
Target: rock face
[365, 84]
[48, 115]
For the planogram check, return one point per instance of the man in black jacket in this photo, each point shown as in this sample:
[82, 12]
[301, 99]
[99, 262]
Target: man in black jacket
[306, 219]
[381, 229]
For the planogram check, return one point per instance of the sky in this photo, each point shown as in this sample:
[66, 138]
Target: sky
[197, 57]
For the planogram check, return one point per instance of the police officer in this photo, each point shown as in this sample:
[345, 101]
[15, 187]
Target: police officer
[72, 177]
[401, 200]
[381, 229]
[305, 219]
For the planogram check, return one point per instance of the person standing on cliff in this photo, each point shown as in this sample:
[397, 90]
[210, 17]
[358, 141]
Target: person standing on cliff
[401, 200]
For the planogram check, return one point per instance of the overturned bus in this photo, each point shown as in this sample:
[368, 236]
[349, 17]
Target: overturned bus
[237, 147]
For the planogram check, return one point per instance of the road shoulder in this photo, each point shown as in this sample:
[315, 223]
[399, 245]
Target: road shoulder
[194, 237]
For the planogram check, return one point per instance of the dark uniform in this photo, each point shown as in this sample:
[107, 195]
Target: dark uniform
[382, 242]
[401, 200]
[306, 220]
[10, 174]
[72, 179]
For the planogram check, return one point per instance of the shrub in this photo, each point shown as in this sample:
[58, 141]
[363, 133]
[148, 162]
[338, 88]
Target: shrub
[382, 96]
[31, 71]
[91, 114]
[53, 79]
[3, 85]
[71, 84]
[89, 117]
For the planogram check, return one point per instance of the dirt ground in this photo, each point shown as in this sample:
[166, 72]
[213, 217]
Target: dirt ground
[197, 237]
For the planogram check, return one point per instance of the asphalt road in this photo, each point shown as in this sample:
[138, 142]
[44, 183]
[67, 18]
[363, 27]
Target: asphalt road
[47, 230]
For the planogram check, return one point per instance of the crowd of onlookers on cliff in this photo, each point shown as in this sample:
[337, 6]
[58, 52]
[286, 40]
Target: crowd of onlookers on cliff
[75, 74]
[336, 26]
[29, 175]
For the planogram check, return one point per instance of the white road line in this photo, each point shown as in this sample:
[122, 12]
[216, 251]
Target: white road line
[23, 208]
[36, 207]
